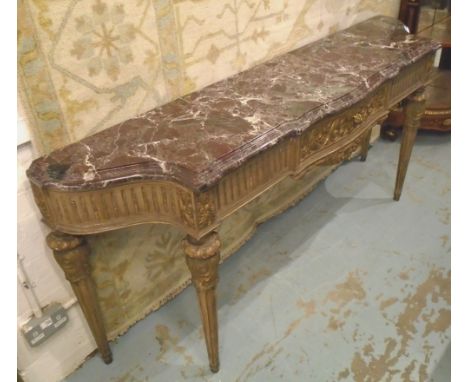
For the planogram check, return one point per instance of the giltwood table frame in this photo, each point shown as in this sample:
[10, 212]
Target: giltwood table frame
[330, 141]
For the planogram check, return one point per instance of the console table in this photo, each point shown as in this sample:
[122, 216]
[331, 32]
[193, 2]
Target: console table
[195, 161]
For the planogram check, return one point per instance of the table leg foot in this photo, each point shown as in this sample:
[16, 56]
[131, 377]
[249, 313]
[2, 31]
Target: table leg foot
[414, 109]
[72, 254]
[202, 258]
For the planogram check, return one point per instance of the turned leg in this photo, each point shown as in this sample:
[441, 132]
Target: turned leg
[71, 253]
[365, 146]
[414, 109]
[202, 258]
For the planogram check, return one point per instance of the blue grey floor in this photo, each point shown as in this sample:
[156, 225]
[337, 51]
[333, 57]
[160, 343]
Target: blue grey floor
[442, 371]
[348, 285]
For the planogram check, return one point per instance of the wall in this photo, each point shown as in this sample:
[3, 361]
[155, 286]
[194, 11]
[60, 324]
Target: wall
[66, 350]
[69, 90]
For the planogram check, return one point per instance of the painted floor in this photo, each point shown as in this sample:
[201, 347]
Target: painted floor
[348, 285]
[442, 373]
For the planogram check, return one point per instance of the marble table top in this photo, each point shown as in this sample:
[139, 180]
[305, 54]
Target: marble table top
[198, 138]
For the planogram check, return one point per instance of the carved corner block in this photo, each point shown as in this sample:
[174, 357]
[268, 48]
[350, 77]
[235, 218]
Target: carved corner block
[205, 210]
[71, 253]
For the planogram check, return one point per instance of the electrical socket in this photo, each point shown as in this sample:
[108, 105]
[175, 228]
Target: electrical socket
[37, 330]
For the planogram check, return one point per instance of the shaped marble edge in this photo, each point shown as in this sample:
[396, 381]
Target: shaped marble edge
[47, 172]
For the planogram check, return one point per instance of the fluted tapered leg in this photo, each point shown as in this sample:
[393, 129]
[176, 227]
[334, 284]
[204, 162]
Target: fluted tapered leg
[202, 258]
[365, 146]
[414, 109]
[71, 253]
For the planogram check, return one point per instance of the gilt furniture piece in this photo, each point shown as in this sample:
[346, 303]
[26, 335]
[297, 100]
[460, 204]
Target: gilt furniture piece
[195, 161]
